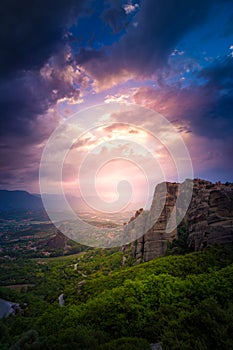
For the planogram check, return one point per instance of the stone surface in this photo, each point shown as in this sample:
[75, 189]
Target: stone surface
[210, 215]
[80, 284]
[156, 346]
[209, 218]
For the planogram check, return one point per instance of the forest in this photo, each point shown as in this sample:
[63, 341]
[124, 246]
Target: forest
[181, 301]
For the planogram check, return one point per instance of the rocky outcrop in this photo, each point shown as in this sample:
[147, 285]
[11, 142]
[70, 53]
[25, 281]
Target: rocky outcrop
[209, 218]
[58, 241]
[210, 215]
[153, 223]
[153, 242]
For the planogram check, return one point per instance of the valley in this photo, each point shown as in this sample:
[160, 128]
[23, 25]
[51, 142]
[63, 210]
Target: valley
[32, 234]
[69, 296]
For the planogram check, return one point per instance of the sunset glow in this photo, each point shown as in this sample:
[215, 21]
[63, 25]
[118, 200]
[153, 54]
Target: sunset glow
[127, 55]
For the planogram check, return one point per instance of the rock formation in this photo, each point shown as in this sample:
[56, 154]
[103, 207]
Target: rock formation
[210, 215]
[209, 218]
[57, 241]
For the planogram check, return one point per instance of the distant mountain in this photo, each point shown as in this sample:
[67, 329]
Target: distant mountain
[23, 200]
[19, 200]
[55, 202]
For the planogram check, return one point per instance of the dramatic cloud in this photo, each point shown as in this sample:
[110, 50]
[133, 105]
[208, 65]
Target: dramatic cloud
[32, 31]
[36, 70]
[145, 47]
[203, 110]
[58, 57]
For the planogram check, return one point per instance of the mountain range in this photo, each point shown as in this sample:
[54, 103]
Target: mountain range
[19, 200]
[23, 200]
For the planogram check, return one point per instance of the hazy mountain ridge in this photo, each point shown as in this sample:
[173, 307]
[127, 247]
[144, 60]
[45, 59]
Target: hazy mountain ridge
[19, 200]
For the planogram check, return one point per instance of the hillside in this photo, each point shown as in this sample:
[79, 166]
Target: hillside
[19, 200]
[165, 291]
[176, 302]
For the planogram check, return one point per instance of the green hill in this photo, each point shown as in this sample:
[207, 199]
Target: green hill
[181, 302]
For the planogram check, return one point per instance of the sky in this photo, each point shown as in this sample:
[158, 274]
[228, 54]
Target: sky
[58, 58]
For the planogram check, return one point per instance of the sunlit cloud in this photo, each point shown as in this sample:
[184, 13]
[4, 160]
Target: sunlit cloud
[129, 7]
[117, 98]
[118, 52]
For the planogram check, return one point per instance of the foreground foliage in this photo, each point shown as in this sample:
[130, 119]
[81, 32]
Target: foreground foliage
[182, 302]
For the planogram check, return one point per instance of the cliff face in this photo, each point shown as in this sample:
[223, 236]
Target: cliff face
[154, 242]
[209, 219]
[210, 215]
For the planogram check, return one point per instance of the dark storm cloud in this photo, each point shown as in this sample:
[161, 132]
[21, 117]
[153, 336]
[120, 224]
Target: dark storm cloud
[19, 162]
[19, 106]
[204, 109]
[219, 73]
[31, 31]
[33, 38]
[217, 119]
[153, 32]
[29, 95]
